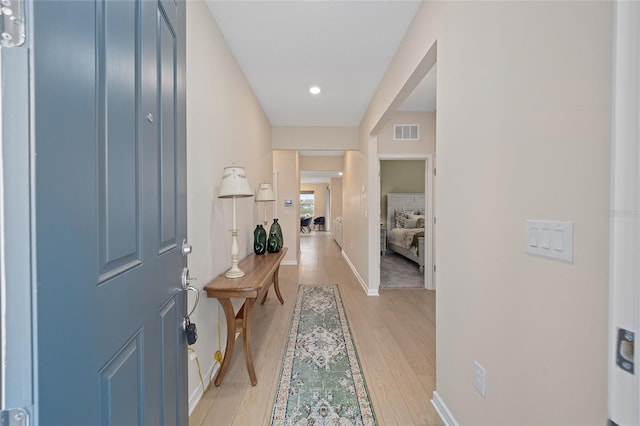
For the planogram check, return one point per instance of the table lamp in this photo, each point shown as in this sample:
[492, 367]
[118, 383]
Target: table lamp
[234, 185]
[265, 193]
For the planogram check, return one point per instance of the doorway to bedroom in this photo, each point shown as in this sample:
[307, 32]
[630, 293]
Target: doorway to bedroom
[402, 213]
[406, 222]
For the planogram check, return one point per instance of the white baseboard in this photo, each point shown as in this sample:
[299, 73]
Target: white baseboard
[443, 411]
[197, 394]
[358, 277]
[289, 262]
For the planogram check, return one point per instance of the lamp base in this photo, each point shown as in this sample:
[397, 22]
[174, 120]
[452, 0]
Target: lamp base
[234, 273]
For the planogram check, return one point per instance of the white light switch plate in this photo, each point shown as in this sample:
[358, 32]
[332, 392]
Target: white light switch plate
[549, 238]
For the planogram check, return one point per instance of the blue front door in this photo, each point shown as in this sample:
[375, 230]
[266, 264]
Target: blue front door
[110, 200]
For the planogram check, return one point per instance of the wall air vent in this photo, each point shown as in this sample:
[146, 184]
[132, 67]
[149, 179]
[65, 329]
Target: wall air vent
[405, 132]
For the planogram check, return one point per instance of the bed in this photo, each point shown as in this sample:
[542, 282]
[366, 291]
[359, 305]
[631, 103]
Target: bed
[404, 235]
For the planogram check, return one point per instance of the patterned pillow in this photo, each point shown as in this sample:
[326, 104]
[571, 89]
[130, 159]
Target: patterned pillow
[401, 216]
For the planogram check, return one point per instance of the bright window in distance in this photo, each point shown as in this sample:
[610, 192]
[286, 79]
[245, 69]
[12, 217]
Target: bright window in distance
[306, 203]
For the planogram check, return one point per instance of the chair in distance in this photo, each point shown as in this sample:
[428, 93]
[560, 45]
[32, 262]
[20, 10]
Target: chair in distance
[305, 224]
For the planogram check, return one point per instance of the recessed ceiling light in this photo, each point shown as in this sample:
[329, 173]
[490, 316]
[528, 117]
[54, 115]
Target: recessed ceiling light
[314, 90]
[340, 173]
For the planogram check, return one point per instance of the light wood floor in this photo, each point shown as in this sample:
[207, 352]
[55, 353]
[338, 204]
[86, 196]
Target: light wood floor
[394, 335]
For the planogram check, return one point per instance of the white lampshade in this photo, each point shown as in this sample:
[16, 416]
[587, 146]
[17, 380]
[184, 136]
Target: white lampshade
[265, 193]
[234, 183]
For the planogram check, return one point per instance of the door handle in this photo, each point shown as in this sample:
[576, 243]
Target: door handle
[186, 248]
[186, 286]
[185, 279]
[195, 290]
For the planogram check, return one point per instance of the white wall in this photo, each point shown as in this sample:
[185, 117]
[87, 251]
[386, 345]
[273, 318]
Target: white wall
[522, 133]
[321, 162]
[315, 138]
[355, 238]
[219, 132]
[287, 166]
[336, 198]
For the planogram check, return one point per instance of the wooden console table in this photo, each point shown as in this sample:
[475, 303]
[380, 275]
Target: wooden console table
[259, 272]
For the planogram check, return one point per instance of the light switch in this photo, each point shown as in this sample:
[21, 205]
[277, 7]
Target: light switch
[552, 239]
[533, 237]
[545, 238]
[557, 240]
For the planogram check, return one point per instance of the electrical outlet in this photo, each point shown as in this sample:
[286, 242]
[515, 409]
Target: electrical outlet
[192, 355]
[479, 378]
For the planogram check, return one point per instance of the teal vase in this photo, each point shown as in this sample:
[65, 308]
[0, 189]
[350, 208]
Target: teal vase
[275, 242]
[259, 240]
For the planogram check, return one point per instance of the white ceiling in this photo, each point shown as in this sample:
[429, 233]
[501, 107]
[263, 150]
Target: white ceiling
[343, 46]
[284, 47]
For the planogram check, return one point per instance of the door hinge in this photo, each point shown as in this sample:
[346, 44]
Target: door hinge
[434, 171]
[434, 268]
[434, 220]
[12, 33]
[14, 417]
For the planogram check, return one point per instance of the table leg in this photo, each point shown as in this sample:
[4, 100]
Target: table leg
[231, 339]
[246, 335]
[276, 286]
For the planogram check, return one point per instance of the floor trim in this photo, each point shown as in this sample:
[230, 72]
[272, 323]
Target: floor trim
[370, 292]
[443, 411]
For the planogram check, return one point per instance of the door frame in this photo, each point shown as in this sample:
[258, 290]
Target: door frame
[18, 378]
[429, 273]
[624, 213]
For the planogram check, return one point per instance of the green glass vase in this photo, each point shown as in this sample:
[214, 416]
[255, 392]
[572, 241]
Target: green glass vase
[275, 242]
[259, 240]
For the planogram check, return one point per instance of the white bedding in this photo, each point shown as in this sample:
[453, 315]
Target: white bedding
[403, 237]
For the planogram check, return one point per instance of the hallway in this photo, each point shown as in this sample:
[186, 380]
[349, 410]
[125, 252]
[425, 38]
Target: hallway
[394, 334]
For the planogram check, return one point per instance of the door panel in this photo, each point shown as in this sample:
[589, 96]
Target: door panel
[121, 389]
[110, 190]
[167, 58]
[118, 29]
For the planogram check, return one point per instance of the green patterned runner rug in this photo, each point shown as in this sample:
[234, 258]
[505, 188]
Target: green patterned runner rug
[321, 382]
